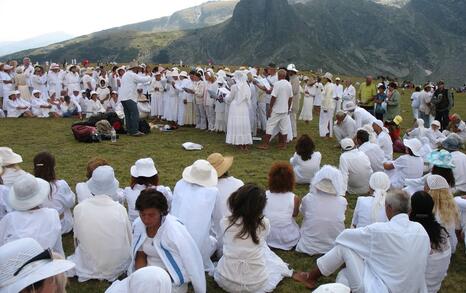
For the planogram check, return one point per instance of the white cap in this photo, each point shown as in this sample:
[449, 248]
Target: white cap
[292, 67]
[436, 123]
[347, 144]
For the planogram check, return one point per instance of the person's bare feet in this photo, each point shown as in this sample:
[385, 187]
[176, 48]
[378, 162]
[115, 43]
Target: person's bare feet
[263, 147]
[304, 278]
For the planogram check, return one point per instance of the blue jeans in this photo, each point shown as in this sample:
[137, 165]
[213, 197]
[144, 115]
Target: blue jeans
[130, 108]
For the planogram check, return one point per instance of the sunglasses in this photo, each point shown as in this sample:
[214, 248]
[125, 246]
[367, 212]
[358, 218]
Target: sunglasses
[46, 254]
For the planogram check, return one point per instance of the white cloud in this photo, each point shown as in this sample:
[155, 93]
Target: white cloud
[22, 19]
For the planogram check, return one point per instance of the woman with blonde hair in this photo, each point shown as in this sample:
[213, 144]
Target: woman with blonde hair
[445, 208]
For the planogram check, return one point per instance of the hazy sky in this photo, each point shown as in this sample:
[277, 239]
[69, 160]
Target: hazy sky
[23, 19]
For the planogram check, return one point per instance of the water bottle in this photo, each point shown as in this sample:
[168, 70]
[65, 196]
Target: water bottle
[113, 135]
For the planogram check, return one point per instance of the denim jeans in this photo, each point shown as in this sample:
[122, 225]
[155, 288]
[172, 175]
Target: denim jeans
[130, 108]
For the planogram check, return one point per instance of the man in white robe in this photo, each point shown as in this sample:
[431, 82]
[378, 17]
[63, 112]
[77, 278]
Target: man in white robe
[327, 108]
[338, 94]
[382, 257]
[349, 93]
[295, 85]
[344, 126]
[383, 139]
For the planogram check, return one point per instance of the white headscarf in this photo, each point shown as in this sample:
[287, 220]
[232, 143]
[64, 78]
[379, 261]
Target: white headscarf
[420, 125]
[149, 279]
[333, 175]
[244, 92]
[380, 183]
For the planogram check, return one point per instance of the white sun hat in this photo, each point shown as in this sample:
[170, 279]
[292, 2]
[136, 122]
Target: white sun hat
[28, 192]
[414, 145]
[103, 181]
[329, 76]
[349, 107]
[144, 168]
[292, 67]
[332, 288]
[201, 173]
[347, 144]
[24, 262]
[9, 157]
[184, 74]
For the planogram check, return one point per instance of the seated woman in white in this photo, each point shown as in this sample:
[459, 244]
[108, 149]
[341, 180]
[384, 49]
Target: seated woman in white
[102, 231]
[247, 264]
[28, 219]
[114, 105]
[82, 190]
[417, 131]
[147, 279]
[193, 203]
[371, 209]
[61, 198]
[15, 108]
[161, 240]
[93, 105]
[56, 110]
[10, 165]
[143, 175]
[434, 135]
[439, 258]
[408, 166]
[143, 105]
[282, 207]
[323, 209]
[40, 107]
[305, 161]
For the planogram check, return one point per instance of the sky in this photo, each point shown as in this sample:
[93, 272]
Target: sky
[32, 18]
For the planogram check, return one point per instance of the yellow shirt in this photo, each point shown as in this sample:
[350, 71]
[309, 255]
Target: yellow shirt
[366, 94]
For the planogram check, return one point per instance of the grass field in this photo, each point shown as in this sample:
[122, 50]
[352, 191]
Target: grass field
[29, 136]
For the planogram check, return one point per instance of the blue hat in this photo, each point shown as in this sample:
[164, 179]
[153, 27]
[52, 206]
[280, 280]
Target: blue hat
[442, 159]
[453, 142]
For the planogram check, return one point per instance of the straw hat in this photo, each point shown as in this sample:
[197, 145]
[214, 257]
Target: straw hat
[220, 163]
[328, 76]
[88, 71]
[103, 181]
[184, 74]
[24, 262]
[9, 157]
[414, 145]
[201, 173]
[28, 192]
[132, 65]
[144, 168]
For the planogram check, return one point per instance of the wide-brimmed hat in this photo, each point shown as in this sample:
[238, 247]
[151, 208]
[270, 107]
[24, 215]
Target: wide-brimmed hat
[88, 71]
[328, 76]
[332, 288]
[452, 143]
[28, 192]
[442, 159]
[144, 168]
[349, 107]
[24, 262]
[398, 120]
[414, 145]
[292, 67]
[347, 144]
[184, 74]
[103, 181]
[9, 157]
[201, 173]
[220, 163]
[132, 65]
[436, 123]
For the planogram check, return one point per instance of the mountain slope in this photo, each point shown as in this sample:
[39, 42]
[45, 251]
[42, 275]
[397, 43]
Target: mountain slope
[35, 42]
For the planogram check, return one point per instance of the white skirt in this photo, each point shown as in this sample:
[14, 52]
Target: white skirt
[239, 127]
[306, 111]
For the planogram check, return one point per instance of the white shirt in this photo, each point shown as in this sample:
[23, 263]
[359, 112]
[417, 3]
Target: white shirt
[41, 224]
[328, 103]
[362, 117]
[362, 215]
[36, 108]
[435, 137]
[459, 159]
[356, 169]
[129, 82]
[10, 175]
[375, 154]
[323, 220]
[385, 142]
[395, 254]
[424, 101]
[349, 93]
[406, 167]
[338, 92]
[102, 232]
[62, 200]
[305, 170]
[282, 91]
[83, 193]
[347, 127]
[94, 107]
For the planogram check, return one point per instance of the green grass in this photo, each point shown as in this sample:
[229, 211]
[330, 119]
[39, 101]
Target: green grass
[29, 136]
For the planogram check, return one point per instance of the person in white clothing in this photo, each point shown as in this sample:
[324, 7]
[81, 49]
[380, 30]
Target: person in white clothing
[239, 126]
[327, 108]
[143, 105]
[349, 93]
[278, 112]
[103, 252]
[144, 175]
[310, 93]
[211, 96]
[383, 139]
[144, 280]
[355, 167]
[114, 105]
[93, 105]
[39, 107]
[408, 166]
[89, 83]
[10, 165]
[295, 86]
[194, 198]
[156, 90]
[71, 81]
[247, 264]
[371, 209]
[39, 81]
[415, 102]
[453, 144]
[438, 261]
[417, 131]
[15, 108]
[28, 219]
[103, 92]
[323, 210]
[344, 126]
[360, 115]
[55, 78]
[382, 257]
[434, 135]
[61, 197]
[226, 185]
[338, 94]
[305, 161]
[282, 207]
[373, 151]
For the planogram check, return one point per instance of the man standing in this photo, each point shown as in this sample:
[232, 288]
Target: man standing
[349, 93]
[382, 257]
[278, 113]
[366, 95]
[442, 104]
[338, 94]
[294, 80]
[425, 106]
[28, 70]
[129, 97]
[327, 107]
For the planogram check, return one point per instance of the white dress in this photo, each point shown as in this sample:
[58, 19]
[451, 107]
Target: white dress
[362, 215]
[437, 267]
[284, 231]
[323, 220]
[304, 170]
[132, 194]
[62, 200]
[308, 102]
[246, 266]
[239, 126]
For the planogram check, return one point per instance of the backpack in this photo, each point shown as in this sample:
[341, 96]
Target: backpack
[144, 127]
[85, 133]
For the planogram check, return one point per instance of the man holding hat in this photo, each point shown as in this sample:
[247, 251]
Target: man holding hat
[129, 96]
[295, 86]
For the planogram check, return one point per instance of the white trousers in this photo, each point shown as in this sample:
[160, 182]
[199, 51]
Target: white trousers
[352, 275]
[210, 117]
[294, 126]
[181, 110]
[326, 123]
[261, 115]
[201, 119]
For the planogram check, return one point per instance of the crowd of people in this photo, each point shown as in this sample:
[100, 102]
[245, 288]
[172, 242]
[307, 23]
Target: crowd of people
[409, 216]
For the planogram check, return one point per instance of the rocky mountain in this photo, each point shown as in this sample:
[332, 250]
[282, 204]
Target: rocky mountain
[413, 39]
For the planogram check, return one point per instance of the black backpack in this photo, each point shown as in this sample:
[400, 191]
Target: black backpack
[144, 127]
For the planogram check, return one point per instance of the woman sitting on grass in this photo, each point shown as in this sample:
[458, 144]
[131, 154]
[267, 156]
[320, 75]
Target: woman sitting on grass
[305, 161]
[282, 207]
